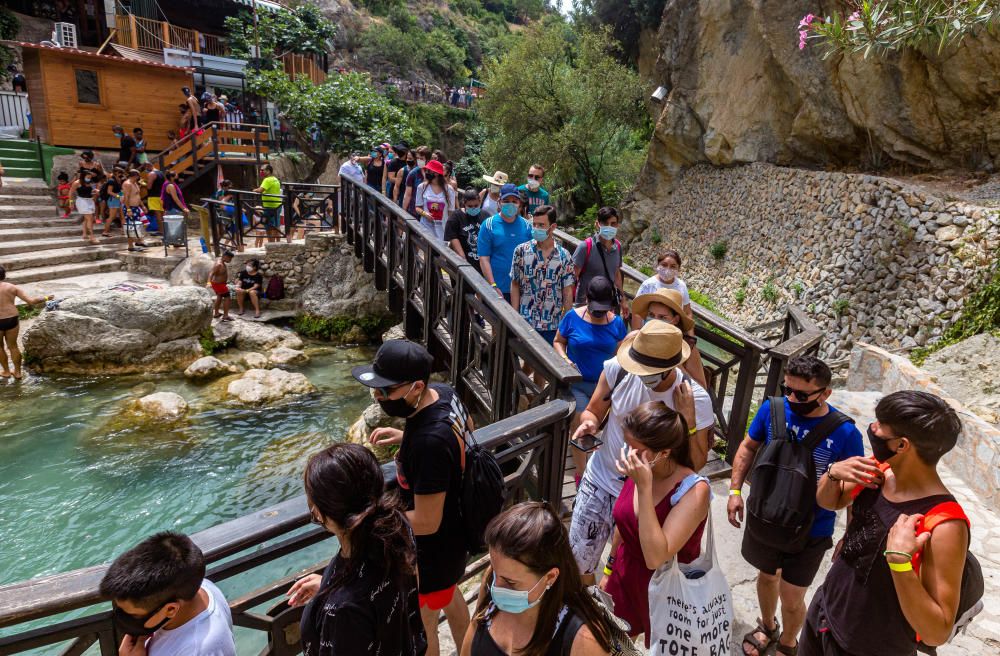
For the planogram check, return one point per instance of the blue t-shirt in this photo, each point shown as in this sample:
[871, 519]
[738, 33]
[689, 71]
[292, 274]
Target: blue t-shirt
[535, 198]
[497, 241]
[843, 443]
[413, 180]
[589, 345]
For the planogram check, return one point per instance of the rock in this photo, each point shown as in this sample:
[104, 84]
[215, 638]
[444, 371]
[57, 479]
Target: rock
[396, 332]
[948, 233]
[255, 335]
[262, 386]
[209, 367]
[121, 332]
[286, 356]
[193, 270]
[341, 288]
[255, 360]
[373, 417]
[162, 405]
[970, 371]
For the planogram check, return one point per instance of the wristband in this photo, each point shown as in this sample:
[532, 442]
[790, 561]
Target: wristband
[735, 493]
[890, 552]
[901, 567]
[692, 430]
[607, 571]
[493, 284]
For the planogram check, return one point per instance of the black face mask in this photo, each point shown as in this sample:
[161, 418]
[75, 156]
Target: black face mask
[397, 407]
[880, 447]
[803, 408]
[135, 626]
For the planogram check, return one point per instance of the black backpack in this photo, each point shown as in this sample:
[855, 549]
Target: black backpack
[483, 491]
[275, 289]
[782, 500]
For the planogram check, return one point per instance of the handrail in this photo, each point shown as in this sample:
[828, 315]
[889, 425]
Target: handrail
[52, 595]
[220, 124]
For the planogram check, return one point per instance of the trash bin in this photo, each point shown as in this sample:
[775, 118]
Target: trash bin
[174, 233]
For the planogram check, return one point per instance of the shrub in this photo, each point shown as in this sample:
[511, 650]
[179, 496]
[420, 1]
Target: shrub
[840, 306]
[211, 346]
[28, 311]
[333, 328]
[656, 237]
[718, 250]
[703, 300]
[740, 295]
[646, 269]
[769, 292]
[797, 288]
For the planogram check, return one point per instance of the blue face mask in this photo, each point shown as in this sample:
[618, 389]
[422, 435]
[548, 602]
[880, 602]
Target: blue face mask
[539, 234]
[473, 211]
[509, 210]
[608, 232]
[513, 601]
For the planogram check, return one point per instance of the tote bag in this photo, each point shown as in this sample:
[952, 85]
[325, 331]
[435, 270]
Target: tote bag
[691, 616]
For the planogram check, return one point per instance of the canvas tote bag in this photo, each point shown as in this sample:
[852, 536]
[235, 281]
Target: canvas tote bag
[692, 616]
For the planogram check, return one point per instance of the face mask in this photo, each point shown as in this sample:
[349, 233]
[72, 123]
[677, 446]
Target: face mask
[509, 210]
[390, 157]
[652, 380]
[514, 601]
[608, 232]
[494, 189]
[249, 269]
[880, 447]
[667, 274]
[373, 154]
[135, 626]
[398, 407]
[473, 211]
[420, 163]
[539, 234]
[803, 408]
[533, 185]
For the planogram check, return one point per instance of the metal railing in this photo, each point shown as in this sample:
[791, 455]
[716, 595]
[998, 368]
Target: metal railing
[526, 445]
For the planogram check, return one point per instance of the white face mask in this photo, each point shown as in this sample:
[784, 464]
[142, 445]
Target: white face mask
[420, 163]
[249, 269]
[667, 274]
[652, 380]
[494, 189]
[533, 185]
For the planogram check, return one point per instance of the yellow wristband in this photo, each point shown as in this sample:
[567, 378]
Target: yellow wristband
[607, 571]
[735, 493]
[692, 430]
[901, 567]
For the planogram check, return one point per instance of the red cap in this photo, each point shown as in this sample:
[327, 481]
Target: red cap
[435, 166]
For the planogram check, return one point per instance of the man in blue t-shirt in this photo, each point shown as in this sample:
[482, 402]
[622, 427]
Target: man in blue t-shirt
[498, 237]
[537, 196]
[788, 574]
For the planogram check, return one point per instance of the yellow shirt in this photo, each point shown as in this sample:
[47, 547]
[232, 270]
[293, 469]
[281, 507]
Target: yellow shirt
[271, 195]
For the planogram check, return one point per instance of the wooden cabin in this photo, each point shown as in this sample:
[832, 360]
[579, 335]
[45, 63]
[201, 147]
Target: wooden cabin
[77, 96]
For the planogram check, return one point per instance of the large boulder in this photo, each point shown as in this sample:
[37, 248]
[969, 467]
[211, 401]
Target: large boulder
[284, 356]
[969, 370]
[121, 332]
[373, 417]
[255, 335]
[193, 270]
[166, 406]
[209, 367]
[262, 386]
[340, 287]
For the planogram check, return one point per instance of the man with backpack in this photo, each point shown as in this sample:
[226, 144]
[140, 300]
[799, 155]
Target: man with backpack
[787, 533]
[429, 470]
[904, 580]
[600, 255]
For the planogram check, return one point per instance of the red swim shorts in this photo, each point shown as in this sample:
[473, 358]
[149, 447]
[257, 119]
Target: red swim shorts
[437, 600]
[220, 288]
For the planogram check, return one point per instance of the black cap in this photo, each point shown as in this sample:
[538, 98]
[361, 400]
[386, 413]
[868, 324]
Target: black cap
[397, 361]
[600, 294]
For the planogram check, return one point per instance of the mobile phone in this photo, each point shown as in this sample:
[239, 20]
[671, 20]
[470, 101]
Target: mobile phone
[587, 443]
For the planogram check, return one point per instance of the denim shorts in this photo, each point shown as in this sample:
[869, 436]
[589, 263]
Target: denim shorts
[582, 391]
[592, 524]
[271, 219]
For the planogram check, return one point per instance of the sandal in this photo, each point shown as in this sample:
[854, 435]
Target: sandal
[772, 637]
[787, 651]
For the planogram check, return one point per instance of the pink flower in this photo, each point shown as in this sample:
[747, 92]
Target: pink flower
[807, 20]
[855, 16]
[802, 39]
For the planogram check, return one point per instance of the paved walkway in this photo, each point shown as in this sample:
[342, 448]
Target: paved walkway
[983, 635]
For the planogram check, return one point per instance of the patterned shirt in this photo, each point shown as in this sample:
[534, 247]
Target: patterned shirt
[542, 281]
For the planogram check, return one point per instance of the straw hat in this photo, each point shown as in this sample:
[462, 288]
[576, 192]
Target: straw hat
[499, 178]
[656, 348]
[669, 297]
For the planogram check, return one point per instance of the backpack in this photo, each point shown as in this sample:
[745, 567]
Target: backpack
[483, 490]
[970, 599]
[782, 501]
[275, 289]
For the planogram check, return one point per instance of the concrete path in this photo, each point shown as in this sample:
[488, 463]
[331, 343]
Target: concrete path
[982, 637]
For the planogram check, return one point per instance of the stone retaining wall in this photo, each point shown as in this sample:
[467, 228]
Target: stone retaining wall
[976, 457]
[868, 257]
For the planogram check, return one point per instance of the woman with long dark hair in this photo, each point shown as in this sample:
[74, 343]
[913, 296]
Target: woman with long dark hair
[532, 601]
[366, 600]
[660, 512]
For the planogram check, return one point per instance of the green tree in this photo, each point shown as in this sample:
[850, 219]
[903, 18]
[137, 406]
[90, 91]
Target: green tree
[304, 30]
[9, 26]
[870, 26]
[561, 98]
[348, 111]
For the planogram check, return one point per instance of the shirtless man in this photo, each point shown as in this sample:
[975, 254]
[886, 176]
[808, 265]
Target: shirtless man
[9, 321]
[218, 282]
[132, 200]
[194, 106]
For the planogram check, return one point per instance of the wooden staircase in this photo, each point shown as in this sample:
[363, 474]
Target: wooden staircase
[212, 146]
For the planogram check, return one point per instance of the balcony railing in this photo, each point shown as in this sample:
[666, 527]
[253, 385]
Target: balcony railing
[151, 35]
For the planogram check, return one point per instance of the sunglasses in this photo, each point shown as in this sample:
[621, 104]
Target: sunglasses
[799, 395]
[535, 177]
[386, 391]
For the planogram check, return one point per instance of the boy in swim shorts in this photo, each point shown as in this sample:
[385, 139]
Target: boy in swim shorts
[218, 281]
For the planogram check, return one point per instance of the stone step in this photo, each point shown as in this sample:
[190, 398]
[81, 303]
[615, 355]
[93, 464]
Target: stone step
[47, 222]
[23, 187]
[28, 211]
[60, 271]
[81, 253]
[31, 245]
[20, 234]
[9, 198]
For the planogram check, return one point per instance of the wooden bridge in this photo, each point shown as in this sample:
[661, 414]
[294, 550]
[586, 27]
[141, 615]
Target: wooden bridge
[211, 146]
[480, 341]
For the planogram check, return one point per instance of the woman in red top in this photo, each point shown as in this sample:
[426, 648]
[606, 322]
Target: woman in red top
[660, 512]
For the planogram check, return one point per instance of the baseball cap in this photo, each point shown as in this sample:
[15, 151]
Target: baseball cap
[397, 361]
[508, 191]
[600, 294]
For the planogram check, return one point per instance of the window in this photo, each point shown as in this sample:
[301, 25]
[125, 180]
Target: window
[88, 88]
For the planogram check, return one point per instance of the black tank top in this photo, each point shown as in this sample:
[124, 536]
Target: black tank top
[212, 115]
[862, 609]
[375, 175]
[567, 627]
[85, 191]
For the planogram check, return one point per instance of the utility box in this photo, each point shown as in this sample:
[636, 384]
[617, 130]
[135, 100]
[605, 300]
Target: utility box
[174, 233]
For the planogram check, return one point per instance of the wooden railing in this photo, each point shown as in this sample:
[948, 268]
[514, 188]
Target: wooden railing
[154, 36]
[211, 145]
[296, 65]
[525, 444]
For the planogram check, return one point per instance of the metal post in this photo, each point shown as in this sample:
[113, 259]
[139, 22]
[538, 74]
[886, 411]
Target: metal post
[41, 160]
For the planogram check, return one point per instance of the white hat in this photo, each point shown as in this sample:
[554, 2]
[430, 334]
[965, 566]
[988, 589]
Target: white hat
[499, 178]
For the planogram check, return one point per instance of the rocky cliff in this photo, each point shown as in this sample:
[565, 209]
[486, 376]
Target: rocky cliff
[741, 91]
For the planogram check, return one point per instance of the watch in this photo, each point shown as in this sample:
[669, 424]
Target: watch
[829, 472]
